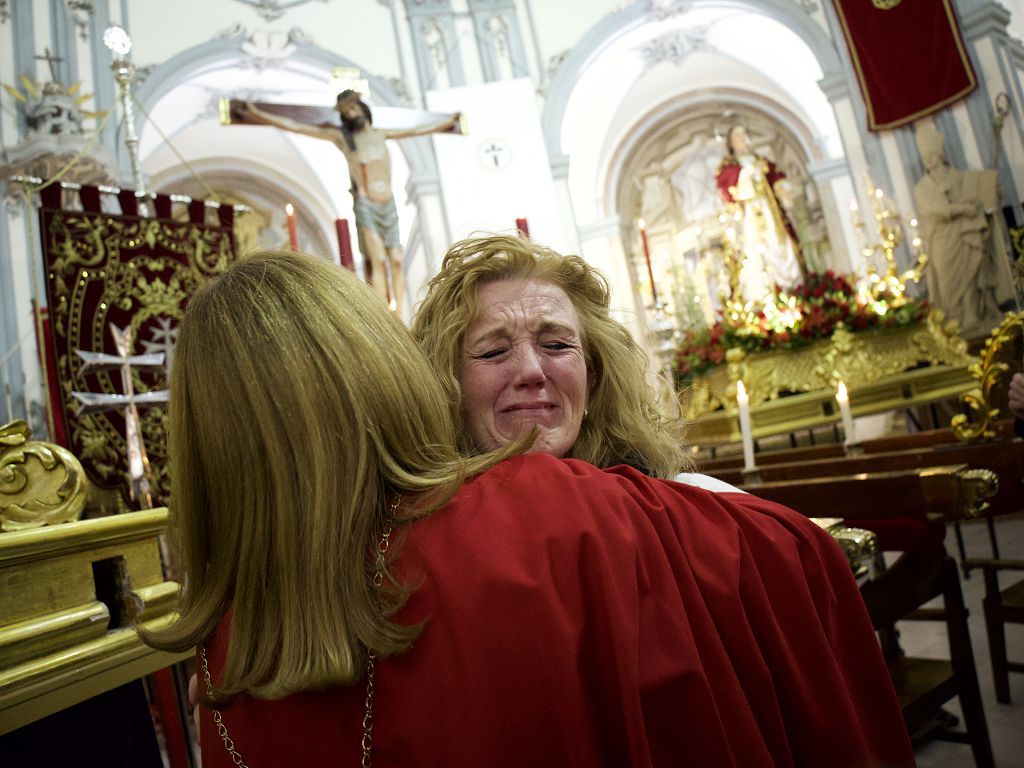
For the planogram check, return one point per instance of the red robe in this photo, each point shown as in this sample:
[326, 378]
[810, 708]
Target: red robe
[728, 176]
[580, 617]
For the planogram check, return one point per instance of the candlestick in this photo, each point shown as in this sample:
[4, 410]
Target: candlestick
[523, 227]
[743, 404]
[647, 258]
[344, 244]
[293, 232]
[843, 398]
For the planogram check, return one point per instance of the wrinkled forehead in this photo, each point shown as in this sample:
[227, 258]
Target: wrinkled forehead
[523, 305]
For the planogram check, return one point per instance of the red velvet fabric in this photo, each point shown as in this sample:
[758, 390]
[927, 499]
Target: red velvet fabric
[728, 175]
[579, 617]
[910, 59]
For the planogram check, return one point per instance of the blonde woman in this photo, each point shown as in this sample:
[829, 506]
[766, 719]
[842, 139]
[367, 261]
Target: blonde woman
[358, 592]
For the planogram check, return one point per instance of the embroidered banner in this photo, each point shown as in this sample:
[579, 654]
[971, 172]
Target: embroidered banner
[134, 272]
[909, 57]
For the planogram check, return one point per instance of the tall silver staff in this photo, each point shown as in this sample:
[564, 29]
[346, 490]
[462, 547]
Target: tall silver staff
[117, 40]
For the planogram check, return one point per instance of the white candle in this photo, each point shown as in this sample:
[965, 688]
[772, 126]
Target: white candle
[843, 398]
[743, 403]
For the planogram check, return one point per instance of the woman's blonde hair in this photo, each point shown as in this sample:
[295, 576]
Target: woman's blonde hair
[625, 423]
[300, 409]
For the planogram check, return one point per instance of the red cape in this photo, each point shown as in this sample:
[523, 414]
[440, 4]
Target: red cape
[579, 617]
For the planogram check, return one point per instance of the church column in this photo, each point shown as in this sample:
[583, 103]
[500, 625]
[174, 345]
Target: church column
[999, 60]
[498, 39]
[433, 237]
[841, 192]
[435, 44]
[566, 214]
[836, 189]
[864, 149]
[403, 85]
[19, 269]
[601, 244]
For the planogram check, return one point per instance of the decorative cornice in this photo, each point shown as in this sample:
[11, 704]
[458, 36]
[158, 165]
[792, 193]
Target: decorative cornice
[835, 87]
[80, 12]
[828, 169]
[666, 9]
[990, 19]
[272, 10]
[676, 47]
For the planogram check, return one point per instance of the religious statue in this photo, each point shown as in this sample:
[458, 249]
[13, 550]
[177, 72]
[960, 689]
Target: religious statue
[758, 194]
[369, 167]
[968, 275]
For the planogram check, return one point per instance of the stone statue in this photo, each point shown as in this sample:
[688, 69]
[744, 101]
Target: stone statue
[755, 188]
[968, 274]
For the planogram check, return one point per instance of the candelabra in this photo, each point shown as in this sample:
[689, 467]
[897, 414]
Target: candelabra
[117, 40]
[891, 283]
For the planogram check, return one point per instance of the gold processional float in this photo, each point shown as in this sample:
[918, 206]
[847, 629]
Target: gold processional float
[888, 351]
[71, 591]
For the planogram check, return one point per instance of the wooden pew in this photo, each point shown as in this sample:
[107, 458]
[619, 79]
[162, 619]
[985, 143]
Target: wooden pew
[931, 438]
[922, 572]
[1005, 457]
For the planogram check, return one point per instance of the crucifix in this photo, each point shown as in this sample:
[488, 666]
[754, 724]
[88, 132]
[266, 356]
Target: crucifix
[92, 402]
[51, 60]
[362, 141]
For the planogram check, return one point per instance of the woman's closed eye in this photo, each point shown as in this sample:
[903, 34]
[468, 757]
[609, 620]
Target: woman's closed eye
[491, 354]
[558, 346]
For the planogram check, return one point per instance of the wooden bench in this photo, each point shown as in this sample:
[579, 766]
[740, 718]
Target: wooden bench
[913, 441]
[920, 498]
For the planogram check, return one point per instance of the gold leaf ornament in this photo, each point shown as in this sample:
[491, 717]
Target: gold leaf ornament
[40, 483]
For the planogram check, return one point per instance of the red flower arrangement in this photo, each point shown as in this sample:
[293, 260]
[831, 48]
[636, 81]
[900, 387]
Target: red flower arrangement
[809, 312]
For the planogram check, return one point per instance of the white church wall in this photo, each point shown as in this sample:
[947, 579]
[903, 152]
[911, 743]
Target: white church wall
[499, 171]
[361, 31]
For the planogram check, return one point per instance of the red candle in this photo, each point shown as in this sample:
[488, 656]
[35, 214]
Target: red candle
[293, 231]
[344, 244]
[647, 258]
[523, 227]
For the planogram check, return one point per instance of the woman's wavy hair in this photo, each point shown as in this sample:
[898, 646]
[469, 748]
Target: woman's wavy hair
[300, 410]
[626, 423]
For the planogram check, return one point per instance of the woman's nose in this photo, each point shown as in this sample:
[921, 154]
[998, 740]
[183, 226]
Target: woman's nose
[529, 367]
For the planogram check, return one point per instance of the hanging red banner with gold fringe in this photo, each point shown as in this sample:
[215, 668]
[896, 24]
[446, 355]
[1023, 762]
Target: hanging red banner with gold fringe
[909, 57]
[134, 272]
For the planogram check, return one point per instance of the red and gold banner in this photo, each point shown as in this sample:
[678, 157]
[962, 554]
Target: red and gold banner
[134, 272]
[909, 57]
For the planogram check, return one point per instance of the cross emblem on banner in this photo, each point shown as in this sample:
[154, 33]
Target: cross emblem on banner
[92, 402]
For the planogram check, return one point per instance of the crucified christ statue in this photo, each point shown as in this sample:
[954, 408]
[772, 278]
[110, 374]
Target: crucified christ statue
[369, 166]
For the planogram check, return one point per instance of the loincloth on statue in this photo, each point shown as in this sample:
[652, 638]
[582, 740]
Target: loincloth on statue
[381, 218]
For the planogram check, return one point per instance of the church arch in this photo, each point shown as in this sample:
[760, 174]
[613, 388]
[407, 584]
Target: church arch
[614, 25]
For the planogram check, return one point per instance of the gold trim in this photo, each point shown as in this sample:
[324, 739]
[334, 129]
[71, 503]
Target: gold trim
[987, 371]
[38, 543]
[224, 110]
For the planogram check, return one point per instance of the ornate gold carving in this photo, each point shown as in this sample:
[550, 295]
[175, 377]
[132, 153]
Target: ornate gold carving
[988, 371]
[860, 359]
[40, 483]
[859, 545]
[968, 488]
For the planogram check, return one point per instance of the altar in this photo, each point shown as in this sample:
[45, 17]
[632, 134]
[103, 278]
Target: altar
[884, 369]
